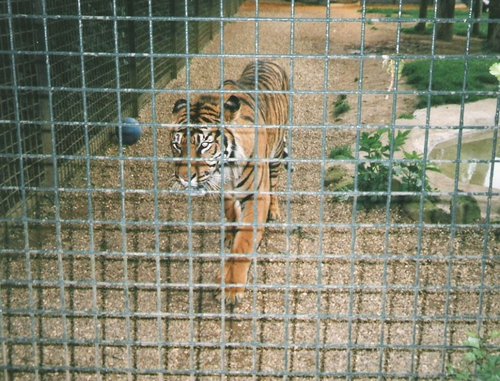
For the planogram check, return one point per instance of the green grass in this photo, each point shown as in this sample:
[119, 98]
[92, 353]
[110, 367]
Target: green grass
[460, 28]
[341, 153]
[340, 106]
[480, 362]
[407, 116]
[449, 76]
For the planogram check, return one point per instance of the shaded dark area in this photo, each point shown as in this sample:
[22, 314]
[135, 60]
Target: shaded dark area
[69, 72]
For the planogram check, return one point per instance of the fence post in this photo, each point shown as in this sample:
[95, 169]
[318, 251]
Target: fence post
[196, 29]
[210, 14]
[173, 37]
[43, 101]
[132, 64]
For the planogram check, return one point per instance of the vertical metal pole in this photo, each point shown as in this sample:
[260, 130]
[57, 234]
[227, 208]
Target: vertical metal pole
[223, 340]
[173, 39]
[289, 193]
[453, 228]
[256, 170]
[420, 225]
[322, 200]
[159, 304]
[390, 163]
[44, 107]
[190, 166]
[132, 64]
[123, 193]
[195, 46]
[211, 12]
[35, 349]
[57, 205]
[354, 222]
[90, 200]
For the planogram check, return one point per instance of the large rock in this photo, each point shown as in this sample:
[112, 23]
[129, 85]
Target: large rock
[432, 214]
[467, 210]
[338, 179]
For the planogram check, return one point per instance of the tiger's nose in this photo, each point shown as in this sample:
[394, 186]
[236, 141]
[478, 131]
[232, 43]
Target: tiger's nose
[188, 183]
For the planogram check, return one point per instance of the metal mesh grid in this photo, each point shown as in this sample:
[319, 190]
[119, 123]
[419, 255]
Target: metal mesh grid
[113, 276]
[71, 76]
[67, 74]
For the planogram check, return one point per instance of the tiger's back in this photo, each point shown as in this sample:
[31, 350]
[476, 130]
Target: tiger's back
[267, 103]
[273, 80]
[264, 103]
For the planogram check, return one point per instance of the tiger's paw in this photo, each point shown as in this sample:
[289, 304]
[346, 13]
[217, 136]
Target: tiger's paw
[274, 213]
[232, 296]
[235, 279]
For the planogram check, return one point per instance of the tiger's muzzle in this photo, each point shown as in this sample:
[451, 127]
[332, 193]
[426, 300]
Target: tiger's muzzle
[194, 186]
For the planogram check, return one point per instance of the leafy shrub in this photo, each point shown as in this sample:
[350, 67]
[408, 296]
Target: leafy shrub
[480, 363]
[412, 172]
[374, 170]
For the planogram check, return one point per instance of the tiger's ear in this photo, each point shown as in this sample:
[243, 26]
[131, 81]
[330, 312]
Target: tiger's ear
[179, 105]
[231, 108]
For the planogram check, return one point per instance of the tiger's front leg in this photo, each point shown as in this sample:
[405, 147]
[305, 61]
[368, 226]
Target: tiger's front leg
[232, 211]
[246, 240]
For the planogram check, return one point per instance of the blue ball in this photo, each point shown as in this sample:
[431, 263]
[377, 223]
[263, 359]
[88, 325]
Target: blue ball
[131, 131]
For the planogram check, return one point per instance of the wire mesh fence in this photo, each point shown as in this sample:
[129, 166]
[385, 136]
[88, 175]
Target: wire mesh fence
[109, 270]
[68, 69]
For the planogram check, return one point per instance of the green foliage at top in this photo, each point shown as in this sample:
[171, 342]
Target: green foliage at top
[480, 363]
[374, 170]
[449, 76]
[460, 27]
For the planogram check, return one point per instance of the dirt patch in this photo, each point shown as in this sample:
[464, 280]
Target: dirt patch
[118, 279]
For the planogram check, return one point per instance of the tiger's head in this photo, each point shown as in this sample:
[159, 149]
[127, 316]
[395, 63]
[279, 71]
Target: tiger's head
[199, 142]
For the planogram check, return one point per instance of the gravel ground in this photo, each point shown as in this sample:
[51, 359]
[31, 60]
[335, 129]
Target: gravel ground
[328, 293]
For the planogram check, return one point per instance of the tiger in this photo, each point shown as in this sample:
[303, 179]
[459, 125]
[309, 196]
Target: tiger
[237, 148]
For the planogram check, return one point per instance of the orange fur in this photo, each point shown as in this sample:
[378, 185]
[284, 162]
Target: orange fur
[246, 148]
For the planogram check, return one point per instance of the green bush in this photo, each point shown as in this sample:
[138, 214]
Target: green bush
[480, 363]
[412, 172]
[373, 171]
